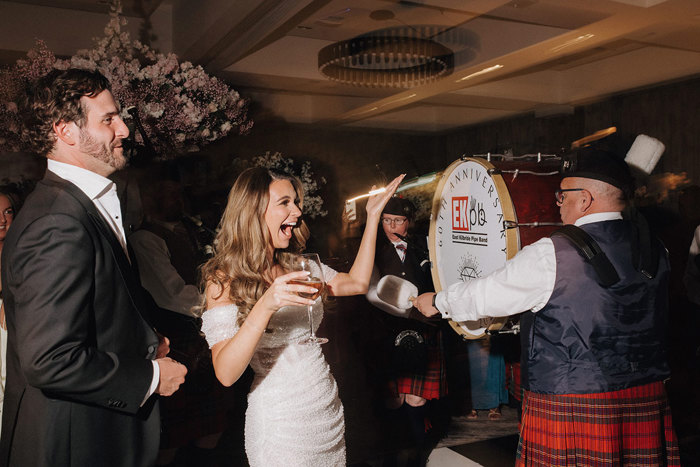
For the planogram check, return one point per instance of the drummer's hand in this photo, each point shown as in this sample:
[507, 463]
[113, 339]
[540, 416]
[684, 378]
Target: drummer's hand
[424, 304]
[376, 203]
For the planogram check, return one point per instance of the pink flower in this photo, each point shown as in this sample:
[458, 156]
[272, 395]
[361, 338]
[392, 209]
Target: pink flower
[180, 105]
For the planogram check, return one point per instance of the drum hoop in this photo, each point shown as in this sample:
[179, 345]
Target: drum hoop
[512, 235]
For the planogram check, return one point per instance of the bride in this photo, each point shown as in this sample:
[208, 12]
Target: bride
[255, 316]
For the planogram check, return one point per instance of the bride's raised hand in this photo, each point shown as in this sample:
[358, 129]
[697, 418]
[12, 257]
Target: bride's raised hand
[284, 292]
[376, 203]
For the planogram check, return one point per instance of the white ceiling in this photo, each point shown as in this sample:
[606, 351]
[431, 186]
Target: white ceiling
[546, 55]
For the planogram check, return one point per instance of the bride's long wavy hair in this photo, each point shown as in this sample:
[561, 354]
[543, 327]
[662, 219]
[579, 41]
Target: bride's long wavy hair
[241, 250]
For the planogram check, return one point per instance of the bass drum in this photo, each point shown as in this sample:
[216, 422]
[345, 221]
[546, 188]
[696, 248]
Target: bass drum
[483, 212]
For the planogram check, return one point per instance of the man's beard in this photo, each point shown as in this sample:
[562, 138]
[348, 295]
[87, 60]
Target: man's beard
[101, 152]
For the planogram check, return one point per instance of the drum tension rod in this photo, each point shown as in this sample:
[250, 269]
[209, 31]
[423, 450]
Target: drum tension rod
[514, 224]
[514, 330]
[517, 172]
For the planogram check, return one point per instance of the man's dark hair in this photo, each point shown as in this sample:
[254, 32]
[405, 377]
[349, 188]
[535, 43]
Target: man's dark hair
[54, 98]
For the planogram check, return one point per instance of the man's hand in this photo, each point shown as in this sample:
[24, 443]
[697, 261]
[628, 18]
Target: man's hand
[163, 346]
[172, 375]
[424, 304]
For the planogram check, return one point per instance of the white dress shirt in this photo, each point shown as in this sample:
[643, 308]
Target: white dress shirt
[400, 251]
[525, 283]
[159, 276]
[103, 193]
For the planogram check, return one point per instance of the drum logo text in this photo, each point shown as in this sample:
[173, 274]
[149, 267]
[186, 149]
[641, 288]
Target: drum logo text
[460, 217]
[466, 214]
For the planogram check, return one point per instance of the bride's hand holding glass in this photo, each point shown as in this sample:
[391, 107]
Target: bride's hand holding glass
[311, 263]
[287, 290]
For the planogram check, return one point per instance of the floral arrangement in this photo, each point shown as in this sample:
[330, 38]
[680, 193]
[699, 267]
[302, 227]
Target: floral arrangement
[180, 106]
[313, 203]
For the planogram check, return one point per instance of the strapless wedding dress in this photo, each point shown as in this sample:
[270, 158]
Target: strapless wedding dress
[294, 416]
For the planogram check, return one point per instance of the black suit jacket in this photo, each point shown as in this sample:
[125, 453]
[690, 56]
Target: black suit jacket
[388, 262]
[79, 344]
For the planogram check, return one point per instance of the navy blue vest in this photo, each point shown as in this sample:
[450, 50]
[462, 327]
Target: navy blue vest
[591, 339]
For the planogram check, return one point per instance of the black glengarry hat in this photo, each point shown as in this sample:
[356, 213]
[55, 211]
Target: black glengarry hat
[612, 160]
[400, 207]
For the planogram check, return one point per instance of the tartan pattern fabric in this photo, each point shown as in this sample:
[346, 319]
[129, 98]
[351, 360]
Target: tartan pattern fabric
[629, 427]
[432, 384]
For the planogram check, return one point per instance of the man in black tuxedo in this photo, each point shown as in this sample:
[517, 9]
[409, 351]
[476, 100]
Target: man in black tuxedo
[82, 359]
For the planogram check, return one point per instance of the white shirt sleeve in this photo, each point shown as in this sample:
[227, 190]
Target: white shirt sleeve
[524, 283]
[154, 382]
[160, 277]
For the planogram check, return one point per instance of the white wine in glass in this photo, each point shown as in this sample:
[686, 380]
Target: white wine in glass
[310, 262]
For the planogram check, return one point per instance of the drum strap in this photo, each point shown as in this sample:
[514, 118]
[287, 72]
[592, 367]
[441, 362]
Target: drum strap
[643, 246]
[590, 250]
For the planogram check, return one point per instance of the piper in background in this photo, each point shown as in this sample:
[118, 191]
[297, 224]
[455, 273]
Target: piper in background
[593, 341]
[415, 371]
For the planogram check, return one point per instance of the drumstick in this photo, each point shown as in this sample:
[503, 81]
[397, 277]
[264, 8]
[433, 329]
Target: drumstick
[600, 134]
[366, 195]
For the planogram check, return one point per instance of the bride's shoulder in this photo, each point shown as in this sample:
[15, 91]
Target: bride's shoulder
[217, 288]
[223, 309]
[217, 292]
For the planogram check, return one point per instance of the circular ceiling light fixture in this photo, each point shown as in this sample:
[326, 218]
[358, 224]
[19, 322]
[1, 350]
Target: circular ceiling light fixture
[382, 15]
[386, 59]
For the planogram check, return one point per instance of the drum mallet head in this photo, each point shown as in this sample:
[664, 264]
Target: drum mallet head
[645, 153]
[397, 292]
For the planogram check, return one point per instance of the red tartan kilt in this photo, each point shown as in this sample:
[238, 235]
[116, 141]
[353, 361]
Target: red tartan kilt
[432, 384]
[627, 427]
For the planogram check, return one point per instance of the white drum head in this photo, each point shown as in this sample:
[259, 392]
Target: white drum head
[467, 234]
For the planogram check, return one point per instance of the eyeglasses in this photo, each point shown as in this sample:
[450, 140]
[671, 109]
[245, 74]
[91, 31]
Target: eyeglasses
[399, 221]
[559, 194]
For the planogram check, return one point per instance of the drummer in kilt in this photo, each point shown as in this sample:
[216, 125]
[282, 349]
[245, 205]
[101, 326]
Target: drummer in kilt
[593, 341]
[414, 371]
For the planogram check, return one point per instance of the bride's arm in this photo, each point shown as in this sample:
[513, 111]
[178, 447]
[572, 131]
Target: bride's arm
[356, 281]
[231, 356]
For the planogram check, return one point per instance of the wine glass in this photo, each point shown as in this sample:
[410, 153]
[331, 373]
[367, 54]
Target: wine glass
[310, 262]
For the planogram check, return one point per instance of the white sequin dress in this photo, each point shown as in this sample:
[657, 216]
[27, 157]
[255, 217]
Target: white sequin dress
[294, 416]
